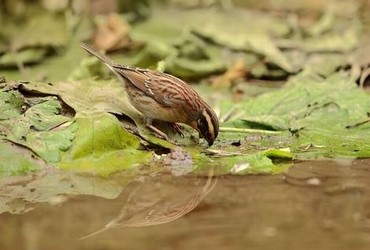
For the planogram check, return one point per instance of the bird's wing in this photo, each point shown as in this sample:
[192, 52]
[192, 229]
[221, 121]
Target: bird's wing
[165, 90]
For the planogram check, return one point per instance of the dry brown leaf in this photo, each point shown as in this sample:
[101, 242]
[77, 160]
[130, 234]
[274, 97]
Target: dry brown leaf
[236, 71]
[113, 34]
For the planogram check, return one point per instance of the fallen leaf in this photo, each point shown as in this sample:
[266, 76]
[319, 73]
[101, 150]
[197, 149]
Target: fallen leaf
[113, 34]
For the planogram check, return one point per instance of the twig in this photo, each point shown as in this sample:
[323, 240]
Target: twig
[248, 130]
[364, 75]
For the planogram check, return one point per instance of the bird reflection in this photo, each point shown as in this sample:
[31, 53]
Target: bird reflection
[159, 199]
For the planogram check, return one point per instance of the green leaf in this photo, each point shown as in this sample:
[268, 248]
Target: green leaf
[10, 104]
[39, 29]
[324, 24]
[326, 116]
[225, 30]
[222, 27]
[88, 68]
[93, 141]
[64, 33]
[344, 37]
[40, 128]
[25, 56]
[270, 161]
[187, 56]
[103, 146]
[49, 144]
[89, 95]
[15, 161]
[100, 133]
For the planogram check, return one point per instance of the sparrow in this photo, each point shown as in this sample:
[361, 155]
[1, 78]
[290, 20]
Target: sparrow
[161, 96]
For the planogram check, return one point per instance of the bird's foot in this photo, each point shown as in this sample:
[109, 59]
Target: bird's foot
[158, 132]
[177, 128]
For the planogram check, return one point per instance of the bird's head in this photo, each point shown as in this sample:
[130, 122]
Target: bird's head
[207, 125]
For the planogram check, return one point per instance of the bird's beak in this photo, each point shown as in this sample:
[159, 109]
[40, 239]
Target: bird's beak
[210, 142]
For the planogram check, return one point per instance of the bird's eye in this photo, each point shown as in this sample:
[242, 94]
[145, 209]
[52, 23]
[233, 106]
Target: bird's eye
[203, 126]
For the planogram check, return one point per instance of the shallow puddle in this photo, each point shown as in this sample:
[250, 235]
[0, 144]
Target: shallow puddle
[314, 205]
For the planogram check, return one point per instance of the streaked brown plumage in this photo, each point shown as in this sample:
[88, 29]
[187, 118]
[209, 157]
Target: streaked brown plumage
[163, 97]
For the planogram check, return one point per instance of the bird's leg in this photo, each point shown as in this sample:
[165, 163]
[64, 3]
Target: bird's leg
[148, 123]
[177, 128]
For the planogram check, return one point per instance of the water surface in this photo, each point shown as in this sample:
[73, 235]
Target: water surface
[315, 205]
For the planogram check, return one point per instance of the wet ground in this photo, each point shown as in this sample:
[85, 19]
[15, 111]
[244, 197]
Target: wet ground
[315, 205]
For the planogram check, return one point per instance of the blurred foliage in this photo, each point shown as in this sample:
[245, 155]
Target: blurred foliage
[197, 43]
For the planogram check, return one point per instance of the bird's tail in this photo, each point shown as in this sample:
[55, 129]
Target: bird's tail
[96, 53]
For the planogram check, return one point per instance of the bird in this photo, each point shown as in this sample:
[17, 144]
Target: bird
[164, 97]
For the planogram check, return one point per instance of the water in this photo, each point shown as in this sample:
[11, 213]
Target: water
[315, 205]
